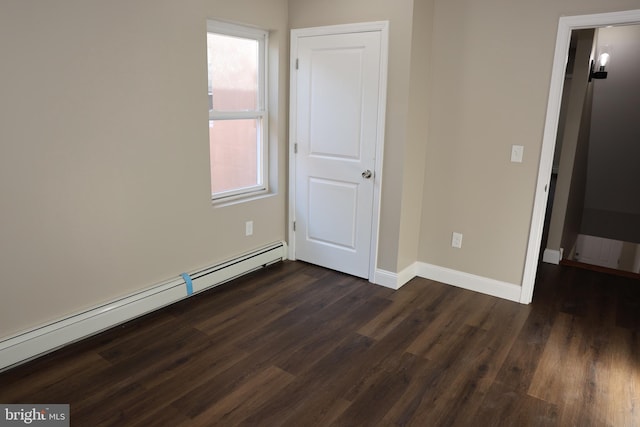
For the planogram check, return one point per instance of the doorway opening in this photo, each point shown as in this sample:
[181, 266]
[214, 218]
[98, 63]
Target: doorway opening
[565, 28]
[597, 220]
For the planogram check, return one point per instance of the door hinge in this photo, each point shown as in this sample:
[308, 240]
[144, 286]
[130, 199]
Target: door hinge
[297, 63]
[295, 148]
[294, 226]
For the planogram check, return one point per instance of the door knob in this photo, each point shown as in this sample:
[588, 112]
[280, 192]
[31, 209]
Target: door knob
[367, 174]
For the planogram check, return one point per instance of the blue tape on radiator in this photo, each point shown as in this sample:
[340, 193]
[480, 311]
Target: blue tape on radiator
[189, 282]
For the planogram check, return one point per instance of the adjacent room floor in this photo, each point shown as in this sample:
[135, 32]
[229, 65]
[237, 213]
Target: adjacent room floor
[300, 345]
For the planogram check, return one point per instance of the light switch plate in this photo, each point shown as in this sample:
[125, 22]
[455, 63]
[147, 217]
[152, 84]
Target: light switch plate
[456, 240]
[517, 153]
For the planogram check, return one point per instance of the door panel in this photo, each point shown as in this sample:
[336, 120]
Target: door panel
[335, 125]
[337, 97]
[333, 207]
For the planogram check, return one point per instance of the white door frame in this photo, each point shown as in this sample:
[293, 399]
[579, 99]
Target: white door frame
[383, 28]
[565, 26]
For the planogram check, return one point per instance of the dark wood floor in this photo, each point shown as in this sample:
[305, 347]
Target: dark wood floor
[298, 345]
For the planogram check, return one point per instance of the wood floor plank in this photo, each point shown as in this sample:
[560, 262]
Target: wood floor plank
[427, 400]
[295, 406]
[518, 369]
[470, 387]
[443, 323]
[618, 380]
[573, 370]
[301, 316]
[238, 326]
[242, 401]
[150, 404]
[558, 376]
[628, 304]
[377, 395]
[20, 384]
[311, 395]
[225, 317]
[503, 406]
[462, 386]
[243, 289]
[323, 410]
[413, 297]
[323, 340]
[91, 382]
[204, 394]
[191, 372]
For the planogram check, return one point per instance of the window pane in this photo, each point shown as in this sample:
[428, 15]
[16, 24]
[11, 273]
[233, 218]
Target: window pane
[233, 73]
[234, 154]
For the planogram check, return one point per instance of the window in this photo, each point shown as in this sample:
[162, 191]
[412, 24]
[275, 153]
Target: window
[238, 114]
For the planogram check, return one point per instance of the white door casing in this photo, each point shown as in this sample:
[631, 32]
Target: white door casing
[338, 97]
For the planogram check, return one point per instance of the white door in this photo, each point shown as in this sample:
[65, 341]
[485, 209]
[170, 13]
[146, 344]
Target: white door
[337, 96]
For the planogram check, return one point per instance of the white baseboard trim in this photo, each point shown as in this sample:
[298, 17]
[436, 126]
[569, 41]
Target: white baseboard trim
[395, 280]
[29, 344]
[552, 256]
[386, 279]
[484, 285]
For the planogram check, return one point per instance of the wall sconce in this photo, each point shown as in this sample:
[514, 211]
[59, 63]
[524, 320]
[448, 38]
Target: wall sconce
[603, 60]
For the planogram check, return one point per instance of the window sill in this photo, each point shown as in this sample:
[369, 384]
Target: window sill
[221, 203]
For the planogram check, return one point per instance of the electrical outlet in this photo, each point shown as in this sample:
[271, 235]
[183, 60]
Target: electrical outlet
[248, 228]
[456, 240]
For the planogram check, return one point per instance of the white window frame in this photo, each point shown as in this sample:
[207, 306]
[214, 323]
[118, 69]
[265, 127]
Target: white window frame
[261, 114]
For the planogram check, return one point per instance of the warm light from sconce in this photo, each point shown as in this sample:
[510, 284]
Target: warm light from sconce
[599, 69]
[603, 59]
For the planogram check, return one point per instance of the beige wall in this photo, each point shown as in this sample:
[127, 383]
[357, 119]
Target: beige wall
[491, 70]
[312, 13]
[104, 180]
[413, 168]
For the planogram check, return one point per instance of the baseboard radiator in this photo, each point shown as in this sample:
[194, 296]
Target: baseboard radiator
[27, 345]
